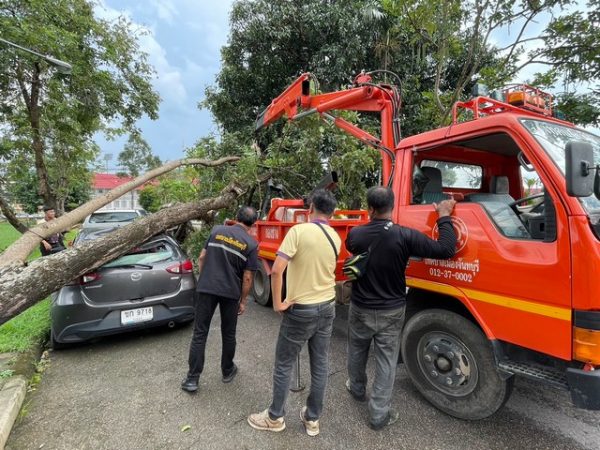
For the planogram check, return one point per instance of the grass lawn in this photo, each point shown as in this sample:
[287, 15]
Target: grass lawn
[28, 328]
[32, 325]
[8, 235]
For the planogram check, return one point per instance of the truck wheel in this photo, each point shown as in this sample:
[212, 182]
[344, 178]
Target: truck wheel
[261, 287]
[452, 364]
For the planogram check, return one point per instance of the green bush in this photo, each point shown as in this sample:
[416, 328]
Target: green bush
[195, 242]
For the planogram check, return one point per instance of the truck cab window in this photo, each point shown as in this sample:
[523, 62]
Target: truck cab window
[488, 170]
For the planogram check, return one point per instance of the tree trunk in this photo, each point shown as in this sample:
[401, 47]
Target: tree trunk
[18, 252]
[22, 286]
[37, 142]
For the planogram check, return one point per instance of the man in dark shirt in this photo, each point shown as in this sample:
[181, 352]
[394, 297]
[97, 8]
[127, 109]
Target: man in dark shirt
[226, 265]
[379, 297]
[53, 243]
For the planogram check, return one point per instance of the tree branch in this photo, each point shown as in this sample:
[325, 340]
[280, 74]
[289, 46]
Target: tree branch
[517, 41]
[11, 217]
[522, 41]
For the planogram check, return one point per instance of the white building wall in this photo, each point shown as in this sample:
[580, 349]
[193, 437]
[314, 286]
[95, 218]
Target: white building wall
[127, 201]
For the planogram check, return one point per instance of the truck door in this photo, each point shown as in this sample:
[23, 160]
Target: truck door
[512, 266]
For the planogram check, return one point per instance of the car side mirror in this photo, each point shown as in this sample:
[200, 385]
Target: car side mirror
[579, 170]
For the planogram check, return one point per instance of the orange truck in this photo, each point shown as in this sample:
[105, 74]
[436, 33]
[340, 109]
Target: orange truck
[522, 294]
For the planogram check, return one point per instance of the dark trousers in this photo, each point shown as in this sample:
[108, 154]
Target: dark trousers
[383, 328]
[302, 324]
[205, 309]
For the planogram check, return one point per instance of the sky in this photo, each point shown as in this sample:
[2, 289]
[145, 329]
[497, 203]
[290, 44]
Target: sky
[184, 47]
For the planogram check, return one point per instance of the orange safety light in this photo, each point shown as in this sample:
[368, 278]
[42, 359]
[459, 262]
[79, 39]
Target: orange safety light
[586, 345]
[529, 97]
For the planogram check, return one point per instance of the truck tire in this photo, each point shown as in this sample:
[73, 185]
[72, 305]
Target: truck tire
[452, 364]
[261, 287]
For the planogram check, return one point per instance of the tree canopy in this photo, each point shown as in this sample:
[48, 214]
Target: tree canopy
[49, 119]
[439, 49]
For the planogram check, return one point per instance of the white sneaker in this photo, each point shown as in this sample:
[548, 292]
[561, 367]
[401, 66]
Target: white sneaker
[262, 421]
[311, 426]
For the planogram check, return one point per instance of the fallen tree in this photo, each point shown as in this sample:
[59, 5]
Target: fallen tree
[17, 253]
[23, 285]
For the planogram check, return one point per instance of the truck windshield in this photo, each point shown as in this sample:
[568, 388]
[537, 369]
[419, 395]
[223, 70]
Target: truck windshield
[554, 137]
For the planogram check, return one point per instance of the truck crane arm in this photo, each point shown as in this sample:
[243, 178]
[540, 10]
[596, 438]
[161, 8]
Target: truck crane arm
[297, 102]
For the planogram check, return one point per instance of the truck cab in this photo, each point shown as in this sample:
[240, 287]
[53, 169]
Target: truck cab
[520, 296]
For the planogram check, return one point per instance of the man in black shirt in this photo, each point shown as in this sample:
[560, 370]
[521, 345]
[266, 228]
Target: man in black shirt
[226, 265]
[53, 243]
[379, 297]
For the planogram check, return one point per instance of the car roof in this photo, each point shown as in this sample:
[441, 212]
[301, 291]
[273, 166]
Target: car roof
[88, 224]
[117, 210]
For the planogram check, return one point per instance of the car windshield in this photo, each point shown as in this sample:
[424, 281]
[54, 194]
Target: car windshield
[113, 216]
[553, 137]
[146, 254]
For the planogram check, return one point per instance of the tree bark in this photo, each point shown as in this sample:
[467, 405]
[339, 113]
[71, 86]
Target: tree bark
[22, 286]
[18, 252]
[38, 143]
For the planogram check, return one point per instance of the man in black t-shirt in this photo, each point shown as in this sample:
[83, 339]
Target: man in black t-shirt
[53, 243]
[226, 265]
[378, 298]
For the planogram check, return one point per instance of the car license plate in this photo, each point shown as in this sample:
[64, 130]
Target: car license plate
[136, 315]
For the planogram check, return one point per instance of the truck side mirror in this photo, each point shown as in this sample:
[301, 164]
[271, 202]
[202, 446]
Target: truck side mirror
[579, 168]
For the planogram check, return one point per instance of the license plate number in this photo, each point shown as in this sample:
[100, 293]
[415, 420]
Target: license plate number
[136, 315]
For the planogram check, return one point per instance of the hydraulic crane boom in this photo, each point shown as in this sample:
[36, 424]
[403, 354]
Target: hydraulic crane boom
[297, 102]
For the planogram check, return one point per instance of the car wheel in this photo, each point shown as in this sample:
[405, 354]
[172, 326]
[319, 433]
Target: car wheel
[261, 286]
[452, 364]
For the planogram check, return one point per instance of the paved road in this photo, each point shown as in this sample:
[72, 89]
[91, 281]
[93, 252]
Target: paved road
[123, 393]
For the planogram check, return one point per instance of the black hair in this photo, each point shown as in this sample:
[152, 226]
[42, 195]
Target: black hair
[247, 215]
[323, 201]
[48, 207]
[381, 199]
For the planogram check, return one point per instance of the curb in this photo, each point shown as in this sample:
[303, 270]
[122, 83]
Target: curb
[12, 393]
[11, 399]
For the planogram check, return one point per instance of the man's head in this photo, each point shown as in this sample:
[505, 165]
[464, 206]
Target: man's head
[49, 212]
[247, 215]
[323, 202]
[380, 201]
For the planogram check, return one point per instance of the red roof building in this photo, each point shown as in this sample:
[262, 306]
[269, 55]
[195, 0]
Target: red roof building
[109, 181]
[104, 182]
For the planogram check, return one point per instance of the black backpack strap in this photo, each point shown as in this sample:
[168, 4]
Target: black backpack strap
[329, 239]
[379, 237]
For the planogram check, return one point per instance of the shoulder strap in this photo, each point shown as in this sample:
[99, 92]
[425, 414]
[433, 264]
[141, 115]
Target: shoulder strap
[329, 239]
[379, 237]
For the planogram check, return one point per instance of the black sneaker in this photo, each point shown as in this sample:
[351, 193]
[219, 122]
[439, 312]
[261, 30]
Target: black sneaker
[190, 384]
[229, 378]
[358, 398]
[391, 419]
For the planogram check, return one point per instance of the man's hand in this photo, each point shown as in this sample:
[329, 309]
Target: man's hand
[282, 306]
[242, 308]
[445, 207]
[47, 246]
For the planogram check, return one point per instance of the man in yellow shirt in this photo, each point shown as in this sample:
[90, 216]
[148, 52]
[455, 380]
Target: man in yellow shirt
[309, 252]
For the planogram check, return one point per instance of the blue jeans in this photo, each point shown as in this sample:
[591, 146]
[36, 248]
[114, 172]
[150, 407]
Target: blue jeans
[383, 328]
[301, 324]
